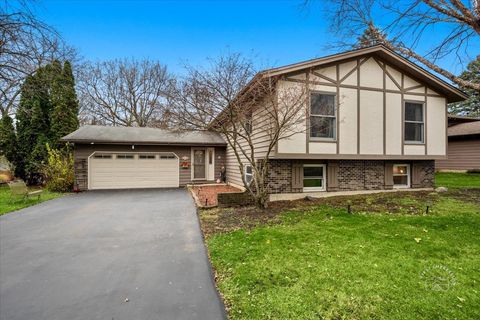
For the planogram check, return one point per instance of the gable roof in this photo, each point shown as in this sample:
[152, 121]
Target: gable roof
[464, 129]
[452, 93]
[141, 135]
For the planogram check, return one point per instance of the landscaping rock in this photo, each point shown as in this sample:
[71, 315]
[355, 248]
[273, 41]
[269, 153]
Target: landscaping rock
[309, 198]
[441, 189]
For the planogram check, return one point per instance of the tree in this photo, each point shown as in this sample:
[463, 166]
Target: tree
[125, 93]
[226, 99]
[411, 23]
[26, 44]
[8, 139]
[471, 106]
[370, 37]
[47, 111]
[64, 115]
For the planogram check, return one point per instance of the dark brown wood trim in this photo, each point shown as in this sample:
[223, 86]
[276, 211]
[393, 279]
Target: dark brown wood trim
[349, 73]
[356, 156]
[425, 122]
[403, 119]
[384, 109]
[358, 106]
[337, 105]
[324, 77]
[307, 120]
[415, 87]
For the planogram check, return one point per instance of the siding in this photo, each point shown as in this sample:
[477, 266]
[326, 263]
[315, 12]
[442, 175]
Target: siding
[83, 151]
[462, 155]
[260, 138]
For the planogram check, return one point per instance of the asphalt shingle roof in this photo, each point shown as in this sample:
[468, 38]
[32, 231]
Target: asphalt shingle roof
[137, 135]
[464, 129]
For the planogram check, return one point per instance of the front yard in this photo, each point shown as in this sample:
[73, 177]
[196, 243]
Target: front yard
[10, 203]
[387, 260]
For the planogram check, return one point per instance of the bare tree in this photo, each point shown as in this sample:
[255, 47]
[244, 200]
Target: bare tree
[226, 99]
[125, 93]
[413, 22]
[25, 44]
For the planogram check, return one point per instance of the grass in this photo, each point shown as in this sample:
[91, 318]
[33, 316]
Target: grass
[10, 203]
[387, 260]
[457, 180]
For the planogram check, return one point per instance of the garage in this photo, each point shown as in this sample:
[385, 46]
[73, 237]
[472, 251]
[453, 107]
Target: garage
[129, 170]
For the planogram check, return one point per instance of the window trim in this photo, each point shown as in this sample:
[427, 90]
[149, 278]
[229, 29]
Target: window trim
[324, 177]
[335, 133]
[401, 186]
[414, 142]
[245, 174]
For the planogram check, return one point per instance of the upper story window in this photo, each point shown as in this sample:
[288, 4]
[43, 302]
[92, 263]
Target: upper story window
[249, 123]
[323, 118]
[414, 122]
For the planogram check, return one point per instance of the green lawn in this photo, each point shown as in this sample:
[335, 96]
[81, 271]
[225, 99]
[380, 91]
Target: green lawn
[320, 262]
[457, 180]
[9, 203]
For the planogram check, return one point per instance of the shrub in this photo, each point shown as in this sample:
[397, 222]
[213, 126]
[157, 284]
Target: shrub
[59, 173]
[473, 171]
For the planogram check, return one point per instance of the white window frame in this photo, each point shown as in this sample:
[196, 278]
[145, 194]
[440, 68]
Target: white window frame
[334, 138]
[402, 186]
[245, 174]
[324, 178]
[405, 121]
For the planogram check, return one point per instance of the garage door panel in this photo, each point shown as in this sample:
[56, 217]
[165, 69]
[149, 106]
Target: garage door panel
[113, 173]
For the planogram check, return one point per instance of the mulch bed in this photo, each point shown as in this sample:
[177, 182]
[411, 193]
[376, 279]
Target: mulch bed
[221, 220]
[207, 195]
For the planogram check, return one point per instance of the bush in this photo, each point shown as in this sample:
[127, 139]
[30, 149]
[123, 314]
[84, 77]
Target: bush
[473, 171]
[59, 173]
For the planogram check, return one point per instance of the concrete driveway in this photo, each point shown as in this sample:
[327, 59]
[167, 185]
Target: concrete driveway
[82, 256]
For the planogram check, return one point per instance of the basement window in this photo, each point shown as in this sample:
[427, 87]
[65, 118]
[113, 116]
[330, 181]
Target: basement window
[248, 174]
[401, 176]
[313, 177]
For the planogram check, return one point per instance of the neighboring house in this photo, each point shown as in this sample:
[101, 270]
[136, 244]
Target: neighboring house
[463, 145]
[373, 120]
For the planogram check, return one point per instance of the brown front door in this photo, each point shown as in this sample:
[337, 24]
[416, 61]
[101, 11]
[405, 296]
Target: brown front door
[199, 164]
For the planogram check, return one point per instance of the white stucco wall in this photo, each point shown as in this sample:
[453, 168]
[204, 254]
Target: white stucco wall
[371, 122]
[393, 127]
[436, 130]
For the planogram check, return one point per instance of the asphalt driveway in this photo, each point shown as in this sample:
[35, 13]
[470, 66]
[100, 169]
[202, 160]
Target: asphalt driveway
[130, 254]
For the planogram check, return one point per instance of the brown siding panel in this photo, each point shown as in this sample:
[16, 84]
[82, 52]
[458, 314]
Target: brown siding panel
[297, 174]
[462, 155]
[388, 175]
[332, 176]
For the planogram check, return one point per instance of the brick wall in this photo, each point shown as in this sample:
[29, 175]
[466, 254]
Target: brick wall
[352, 174]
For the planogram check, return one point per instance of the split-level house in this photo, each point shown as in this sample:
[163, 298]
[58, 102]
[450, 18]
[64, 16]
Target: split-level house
[373, 120]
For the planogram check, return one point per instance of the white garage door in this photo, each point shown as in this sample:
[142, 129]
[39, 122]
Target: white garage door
[133, 170]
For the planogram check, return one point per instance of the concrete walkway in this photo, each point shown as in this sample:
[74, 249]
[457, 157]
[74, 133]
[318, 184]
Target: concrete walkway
[122, 255]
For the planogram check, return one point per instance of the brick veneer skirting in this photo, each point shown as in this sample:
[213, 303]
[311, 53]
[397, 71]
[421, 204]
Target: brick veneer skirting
[352, 174]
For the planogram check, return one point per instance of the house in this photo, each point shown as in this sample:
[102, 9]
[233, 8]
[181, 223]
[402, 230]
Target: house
[463, 145]
[373, 121]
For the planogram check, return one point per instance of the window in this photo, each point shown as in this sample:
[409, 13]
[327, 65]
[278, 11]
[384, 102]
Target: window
[165, 157]
[103, 156]
[314, 177]
[401, 176]
[210, 156]
[248, 174]
[124, 156]
[146, 156]
[323, 119]
[248, 123]
[414, 122]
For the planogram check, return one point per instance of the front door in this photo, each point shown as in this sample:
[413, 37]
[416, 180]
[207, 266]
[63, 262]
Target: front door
[199, 164]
